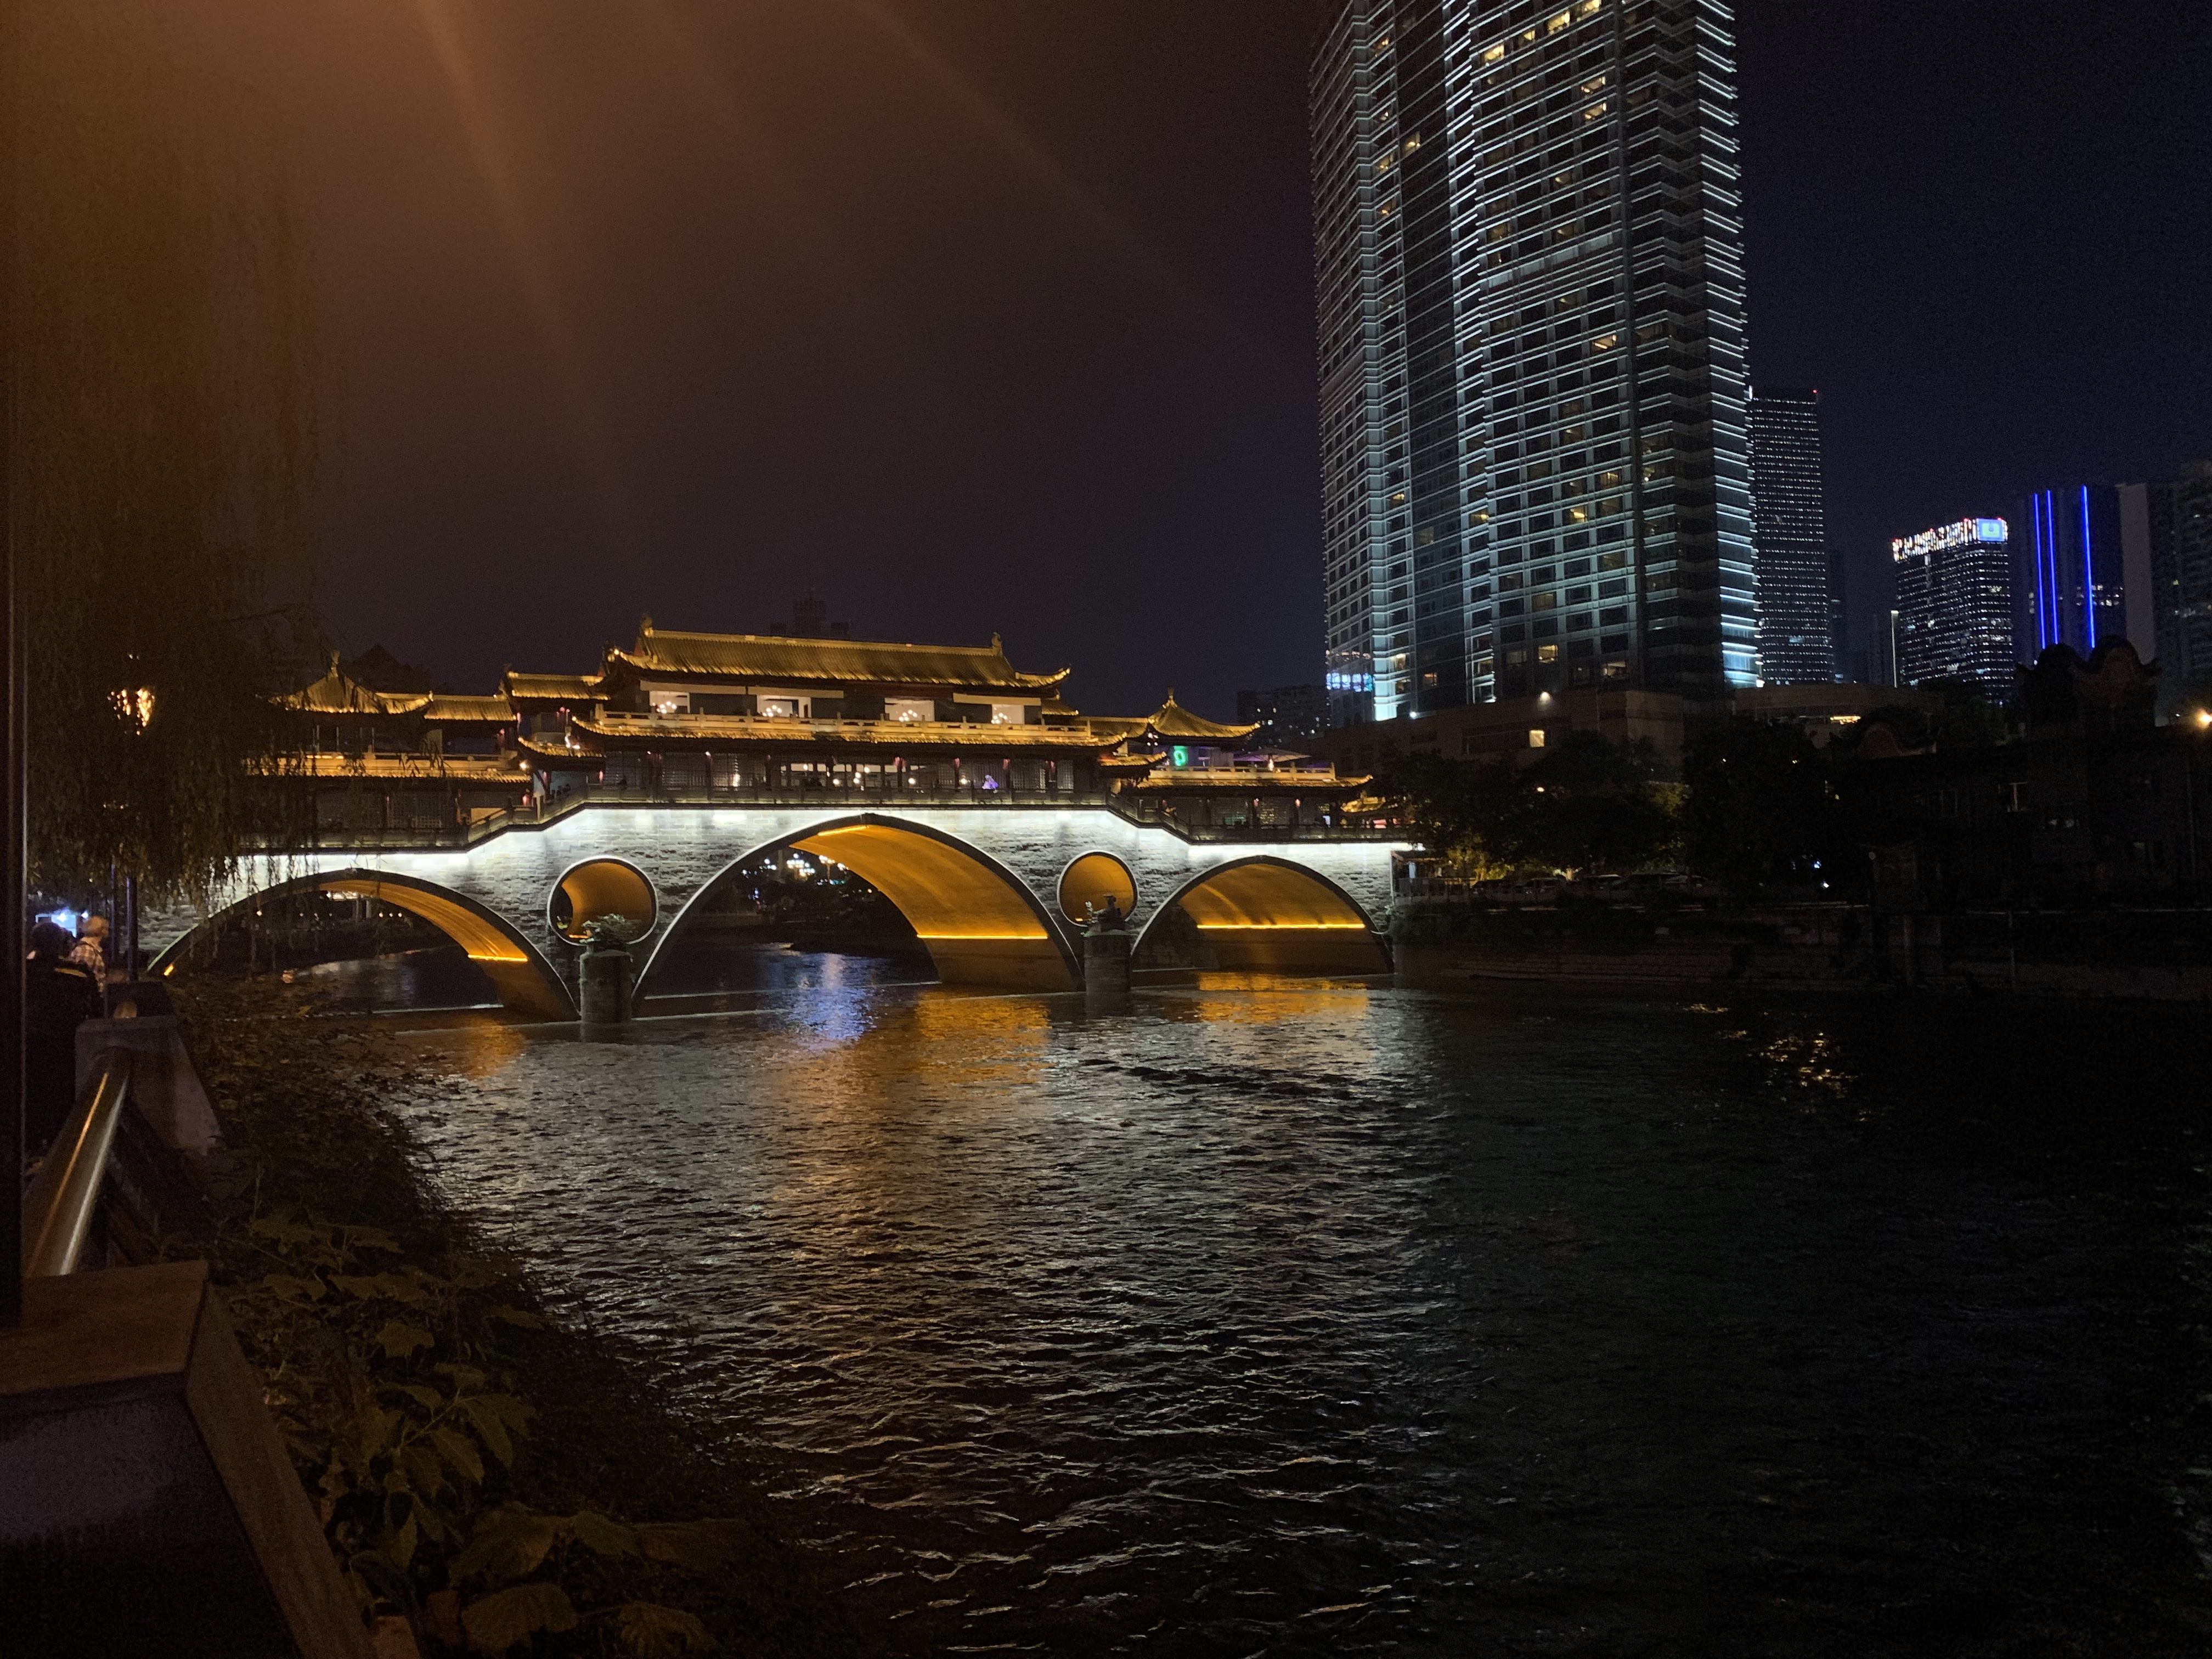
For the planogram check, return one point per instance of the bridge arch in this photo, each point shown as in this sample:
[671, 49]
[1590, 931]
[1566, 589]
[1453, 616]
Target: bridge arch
[1266, 914]
[525, 981]
[979, 922]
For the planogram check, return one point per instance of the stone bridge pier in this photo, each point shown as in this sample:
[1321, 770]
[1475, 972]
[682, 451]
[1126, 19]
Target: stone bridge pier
[990, 889]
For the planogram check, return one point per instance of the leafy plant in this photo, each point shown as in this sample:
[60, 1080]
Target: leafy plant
[516, 1543]
[379, 1385]
[457, 1445]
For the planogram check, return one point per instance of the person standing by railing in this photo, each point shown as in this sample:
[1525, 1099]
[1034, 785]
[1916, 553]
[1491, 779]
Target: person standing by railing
[58, 996]
[90, 953]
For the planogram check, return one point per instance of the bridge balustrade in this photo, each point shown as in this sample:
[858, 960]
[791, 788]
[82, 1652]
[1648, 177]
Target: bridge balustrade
[554, 807]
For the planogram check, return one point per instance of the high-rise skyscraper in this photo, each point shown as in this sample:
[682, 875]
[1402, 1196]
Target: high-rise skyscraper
[1789, 530]
[2179, 516]
[1954, 619]
[1527, 236]
[2074, 588]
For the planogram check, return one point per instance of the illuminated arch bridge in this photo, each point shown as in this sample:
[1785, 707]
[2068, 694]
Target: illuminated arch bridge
[991, 891]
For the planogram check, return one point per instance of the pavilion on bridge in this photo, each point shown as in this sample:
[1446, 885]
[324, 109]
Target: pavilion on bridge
[690, 716]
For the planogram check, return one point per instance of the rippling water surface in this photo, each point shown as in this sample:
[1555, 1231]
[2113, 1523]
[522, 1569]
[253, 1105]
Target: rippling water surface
[1342, 1319]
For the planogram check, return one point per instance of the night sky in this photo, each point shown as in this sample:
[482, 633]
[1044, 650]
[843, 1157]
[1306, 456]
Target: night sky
[977, 315]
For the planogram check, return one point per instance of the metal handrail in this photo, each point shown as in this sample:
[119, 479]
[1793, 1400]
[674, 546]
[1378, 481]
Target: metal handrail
[64, 1194]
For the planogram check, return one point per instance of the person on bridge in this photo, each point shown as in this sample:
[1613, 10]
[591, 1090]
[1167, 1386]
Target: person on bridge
[58, 996]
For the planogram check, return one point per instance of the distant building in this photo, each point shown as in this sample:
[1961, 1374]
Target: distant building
[2074, 566]
[1954, 606]
[1873, 663]
[1528, 260]
[1839, 628]
[2092, 802]
[1523, 728]
[810, 620]
[2179, 526]
[1796, 599]
[1288, 716]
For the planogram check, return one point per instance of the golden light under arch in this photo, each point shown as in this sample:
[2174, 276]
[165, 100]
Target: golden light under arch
[979, 923]
[1265, 915]
[524, 981]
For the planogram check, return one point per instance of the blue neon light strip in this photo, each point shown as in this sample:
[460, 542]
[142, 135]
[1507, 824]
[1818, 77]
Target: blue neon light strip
[2050, 546]
[2035, 539]
[2042, 603]
[2047, 567]
[2057, 598]
[2088, 575]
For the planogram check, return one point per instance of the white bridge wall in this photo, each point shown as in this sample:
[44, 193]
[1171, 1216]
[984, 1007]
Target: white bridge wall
[682, 849]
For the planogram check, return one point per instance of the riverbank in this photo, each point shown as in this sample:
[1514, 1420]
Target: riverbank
[483, 1472]
[2137, 954]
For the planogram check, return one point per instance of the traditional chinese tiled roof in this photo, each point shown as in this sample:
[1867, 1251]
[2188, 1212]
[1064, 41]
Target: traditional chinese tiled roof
[335, 693]
[553, 688]
[1250, 780]
[1177, 725]
[571, 746]
[780, 661]
[491, 710]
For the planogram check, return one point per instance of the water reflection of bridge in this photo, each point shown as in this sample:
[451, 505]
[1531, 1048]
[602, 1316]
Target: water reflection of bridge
[994, 891]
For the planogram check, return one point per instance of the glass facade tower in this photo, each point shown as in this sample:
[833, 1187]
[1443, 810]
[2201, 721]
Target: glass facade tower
[1796, 608]
[1536, 468]
[1954, 606]
[2075, 571]
[2180, 525]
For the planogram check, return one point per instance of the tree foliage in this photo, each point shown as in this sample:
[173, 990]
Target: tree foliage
[1588, 805]
[1463, 812]
[1599, 807]
[167, 419]
[1943, 714]
[1758, 808]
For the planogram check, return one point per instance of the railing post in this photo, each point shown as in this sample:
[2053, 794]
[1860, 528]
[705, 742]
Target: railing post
[14, 727]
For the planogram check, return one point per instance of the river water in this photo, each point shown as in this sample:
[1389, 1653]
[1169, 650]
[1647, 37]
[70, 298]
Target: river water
[1335, 1318]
